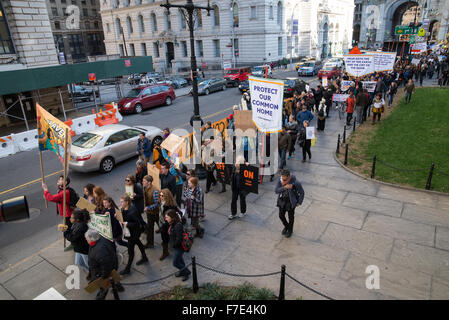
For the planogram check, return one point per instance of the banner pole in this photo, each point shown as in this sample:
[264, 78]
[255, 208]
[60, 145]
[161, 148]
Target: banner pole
[64, 204]
[261, 159]
[43, 175]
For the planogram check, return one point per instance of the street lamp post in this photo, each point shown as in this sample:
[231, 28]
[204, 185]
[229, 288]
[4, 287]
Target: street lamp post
[190, 8]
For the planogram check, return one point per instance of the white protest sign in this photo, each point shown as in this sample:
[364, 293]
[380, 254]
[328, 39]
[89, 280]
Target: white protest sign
[415, 61]
[310, 133]
[345, 85]
[324, 81]
[383, 61]
[358, 65]
[101, 223]
[267, 101]
[417, 48]
[340, 97]
[369, 86]
[307, 88]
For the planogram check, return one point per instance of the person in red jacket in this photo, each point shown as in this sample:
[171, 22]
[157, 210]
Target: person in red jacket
[58, 198]
[350, 104]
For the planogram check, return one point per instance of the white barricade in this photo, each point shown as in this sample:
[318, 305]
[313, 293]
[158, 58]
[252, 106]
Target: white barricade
[84, 124]
[117, 114]
[25, 141]
[7, 147]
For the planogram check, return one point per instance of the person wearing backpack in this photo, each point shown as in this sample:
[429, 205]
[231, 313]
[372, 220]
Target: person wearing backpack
[290, 195]
[58, 198]
[176, 231]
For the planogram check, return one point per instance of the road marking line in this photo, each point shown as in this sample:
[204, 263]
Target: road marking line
[28, 183]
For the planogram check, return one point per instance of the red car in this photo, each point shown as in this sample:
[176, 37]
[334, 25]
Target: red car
[233, 77]
[329, 72]
[147, 96]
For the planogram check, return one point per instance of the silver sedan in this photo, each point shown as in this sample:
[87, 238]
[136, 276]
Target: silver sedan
[104, 147]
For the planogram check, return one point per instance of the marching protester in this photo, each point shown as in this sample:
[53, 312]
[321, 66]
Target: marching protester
[362, 103]
[102, 259]
[167, 179]
[132, 220]
[75, 234]
[291, 195]
[284, 144]
[166, 133]
[186, 192]
[151, 208]
[141, 170]
[144, 148]
[195, 206]
[409, 89]
[135, 192]
[305, 143]
[89, 192]
[58, 198]
[167, 203]
[175, 231]
[292, 129]
[321, 123]
[350, 104]
[378, 107]
[392, 92]
[109, 208]
[304, 115]
[237, 191]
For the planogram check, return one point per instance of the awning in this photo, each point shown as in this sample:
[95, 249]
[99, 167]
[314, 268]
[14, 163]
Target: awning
[53, 76]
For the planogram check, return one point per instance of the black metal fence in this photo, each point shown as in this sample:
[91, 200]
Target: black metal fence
[196, 266]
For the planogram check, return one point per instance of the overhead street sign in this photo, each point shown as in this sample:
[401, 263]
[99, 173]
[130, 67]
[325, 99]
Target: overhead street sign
[405, 30]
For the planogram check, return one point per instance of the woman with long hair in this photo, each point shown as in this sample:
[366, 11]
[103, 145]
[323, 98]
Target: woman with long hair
[88, 191]
[109, 207]
[167, 203]
[137, 195]
[134, 222]
[99, 196]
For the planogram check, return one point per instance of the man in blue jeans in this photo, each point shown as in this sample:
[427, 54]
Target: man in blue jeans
[409, 89]
[144, 148]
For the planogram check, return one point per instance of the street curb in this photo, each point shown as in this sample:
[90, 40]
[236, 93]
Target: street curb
[387, 183]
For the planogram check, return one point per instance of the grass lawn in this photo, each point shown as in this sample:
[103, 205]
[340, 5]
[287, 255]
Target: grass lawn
[411, 137]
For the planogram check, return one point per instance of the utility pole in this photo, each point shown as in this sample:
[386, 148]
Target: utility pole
[190, 8]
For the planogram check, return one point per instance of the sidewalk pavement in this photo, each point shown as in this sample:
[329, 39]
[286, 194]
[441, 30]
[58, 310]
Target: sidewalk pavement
[345, 224]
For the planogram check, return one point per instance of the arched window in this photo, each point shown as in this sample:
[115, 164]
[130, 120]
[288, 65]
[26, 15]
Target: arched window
[125, 3]
[182, 20]
[141, 24]
[129, 25]
[118, 27]
[154, 22]
[235, 14]
[167, 20]
[216, 16]
[114, 3]
[279, 12]
[138, 2]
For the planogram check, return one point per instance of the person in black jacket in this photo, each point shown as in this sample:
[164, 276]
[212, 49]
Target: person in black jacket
[237, 191]
[135, 224]
[102, 259]
[167, 179]
[291, 194]
[109, 208]
[175, 230]
[75, 234]
[137, 196]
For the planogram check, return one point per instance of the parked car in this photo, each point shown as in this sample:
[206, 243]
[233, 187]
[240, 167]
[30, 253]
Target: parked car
[210, 85]
[291, 85]
[309, 68]
[153, 74]
[103, 82]
[81, 93]
[144, 97]
[145, 81]
[259, 71]
[337, 62]
[104, 147]
[178, 82]
[329, 71]
[244, 86]
[235, 76]
[134, 79]
[303, 60]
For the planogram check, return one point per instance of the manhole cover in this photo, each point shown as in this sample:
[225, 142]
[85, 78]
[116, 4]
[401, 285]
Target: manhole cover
[34, 213]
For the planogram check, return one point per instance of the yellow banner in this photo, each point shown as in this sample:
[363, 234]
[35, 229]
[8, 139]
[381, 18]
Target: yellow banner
[51, 133]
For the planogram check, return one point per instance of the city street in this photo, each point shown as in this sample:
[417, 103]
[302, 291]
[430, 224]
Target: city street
[22, 177]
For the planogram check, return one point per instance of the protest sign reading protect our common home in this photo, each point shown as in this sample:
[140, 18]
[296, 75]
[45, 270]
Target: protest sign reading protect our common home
[266, 101]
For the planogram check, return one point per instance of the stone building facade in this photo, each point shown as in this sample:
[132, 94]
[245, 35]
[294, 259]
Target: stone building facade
[245, 32]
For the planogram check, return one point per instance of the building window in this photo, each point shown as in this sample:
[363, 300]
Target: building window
[83, 2]
[216, 16]
[129, 25]
[199, 45]
[62, 1]
[6, 46]
[94, 12]
[236, 47]
[57, 25]
[138, 2]
[217, 48]
[156, 49]
[279, 13]
[118, 26]
[54, 11]
[199, 19]
[92, 2]
[53, 1]
[85, 13]
[184, 48]
[64, 11]
[126, 3]
[76, 46]
[235, 15]
[97, 26]
[87, 25]
[132, 51]
[143, 47]
[141, 24]
[114, 4]
[108, 28]
[59, 42]
[271, 13]
[182, 20]
[167, 21]
[253, 13]
[122, 52]
[154, 22]
[280, 46]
